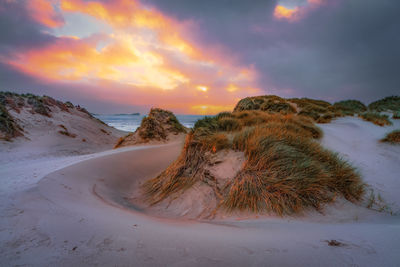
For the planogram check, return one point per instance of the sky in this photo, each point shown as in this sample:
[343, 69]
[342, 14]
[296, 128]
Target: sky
[198, 57]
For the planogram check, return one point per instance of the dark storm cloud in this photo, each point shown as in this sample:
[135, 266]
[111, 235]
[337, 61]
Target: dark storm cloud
[342, 49]
[18, 30]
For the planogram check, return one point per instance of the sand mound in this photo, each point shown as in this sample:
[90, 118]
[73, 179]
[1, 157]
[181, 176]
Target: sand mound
[159, 126]
[252, 161]
[42, 124]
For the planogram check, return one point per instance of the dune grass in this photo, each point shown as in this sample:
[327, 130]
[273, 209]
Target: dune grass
[392, 137]
[390, 103]
[376, 118]
[8, 127]
[318, 110]
[158, 124]
[285, 171]
[350, 107]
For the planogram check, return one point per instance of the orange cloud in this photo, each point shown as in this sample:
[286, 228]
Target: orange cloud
[293, 14]
[210, 109]
[148, 59]
[75, 59]
[43, 12]
[282, 12]
[128, 13]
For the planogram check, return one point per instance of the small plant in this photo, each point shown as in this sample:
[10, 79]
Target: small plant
[65, 131]
[392, 137]
[376, 118]
[377, 203]
[396, 115]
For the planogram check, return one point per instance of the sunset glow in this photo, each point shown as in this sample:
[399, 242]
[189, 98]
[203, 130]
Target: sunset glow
[191, 56]
[146, 51]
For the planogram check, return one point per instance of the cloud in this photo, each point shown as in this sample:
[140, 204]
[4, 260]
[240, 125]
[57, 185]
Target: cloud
[44, 12]
[335, 49]
[156, 52]
[145, 54]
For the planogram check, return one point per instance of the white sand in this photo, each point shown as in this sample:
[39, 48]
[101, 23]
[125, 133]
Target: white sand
[80, 215]
[42, 137]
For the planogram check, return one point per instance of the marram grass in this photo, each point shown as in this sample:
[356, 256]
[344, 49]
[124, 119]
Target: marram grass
[286, 170]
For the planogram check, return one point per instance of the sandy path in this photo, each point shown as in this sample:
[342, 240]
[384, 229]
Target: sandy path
[71, 218]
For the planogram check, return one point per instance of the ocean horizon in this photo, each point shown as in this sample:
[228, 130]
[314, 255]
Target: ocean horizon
[130, 122]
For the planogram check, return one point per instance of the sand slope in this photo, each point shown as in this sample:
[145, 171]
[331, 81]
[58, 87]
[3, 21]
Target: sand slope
[80, 216]
[42, 135]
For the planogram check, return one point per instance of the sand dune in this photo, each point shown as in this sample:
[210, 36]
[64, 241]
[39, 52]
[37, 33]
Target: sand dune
[82, 215]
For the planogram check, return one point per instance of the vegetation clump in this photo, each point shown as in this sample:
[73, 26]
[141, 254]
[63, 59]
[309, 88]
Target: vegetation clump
[8, 127]
[350, 107]
[320, 111]
[285, 169]
[392, 137]
[396, 115]
[390, 103]
[376, 118]
[157, 126]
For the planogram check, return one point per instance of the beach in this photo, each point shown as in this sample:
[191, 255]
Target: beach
[75, 210]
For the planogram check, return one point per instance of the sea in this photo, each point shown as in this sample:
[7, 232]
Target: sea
[130, 122]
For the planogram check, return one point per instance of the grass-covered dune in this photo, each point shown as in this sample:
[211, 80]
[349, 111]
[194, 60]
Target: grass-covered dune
[285, 170]
[159, 125]
[34, 104]
[322, 111]
[390, 103]
[318, 110]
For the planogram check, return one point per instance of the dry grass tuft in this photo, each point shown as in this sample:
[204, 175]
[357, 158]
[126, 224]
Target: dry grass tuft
[392, 137]
[285, 171]
[157, 126]
[8, 127]
[376, 118]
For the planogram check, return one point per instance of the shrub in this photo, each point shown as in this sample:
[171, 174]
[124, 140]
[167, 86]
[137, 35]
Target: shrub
[396, 115]
[350, 107]
[388, 103]
[376, 118]
[392, 137]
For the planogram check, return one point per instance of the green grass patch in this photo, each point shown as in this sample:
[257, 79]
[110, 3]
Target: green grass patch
[390, 103]
[350, 107]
